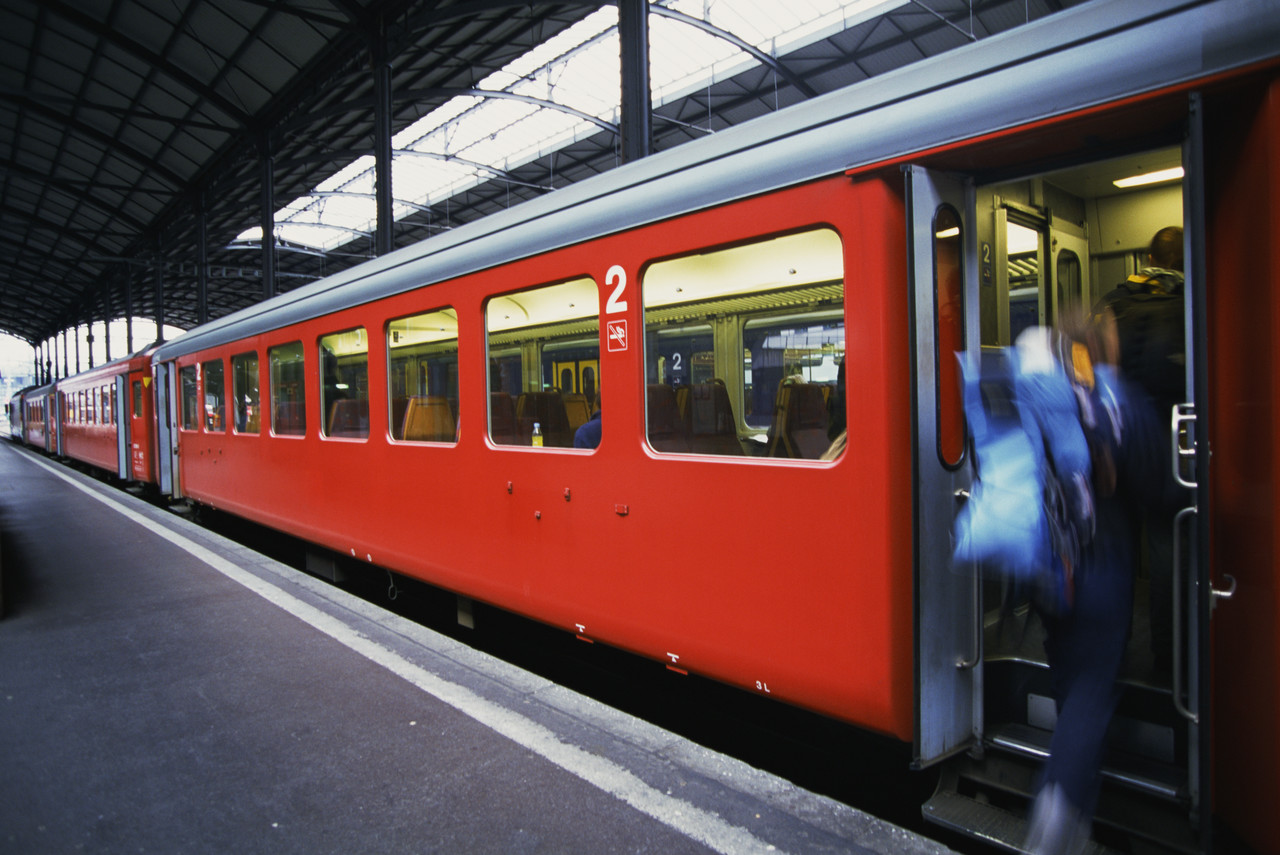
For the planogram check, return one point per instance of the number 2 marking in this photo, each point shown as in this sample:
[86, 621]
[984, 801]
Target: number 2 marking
[615, 303]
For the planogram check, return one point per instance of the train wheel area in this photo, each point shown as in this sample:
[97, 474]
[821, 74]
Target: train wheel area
[166, 689]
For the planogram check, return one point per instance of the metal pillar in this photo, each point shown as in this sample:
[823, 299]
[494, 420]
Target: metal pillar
[159, 300]
[637, 122]
[128, 312]
[267, 213]
[202, 272]
[382, 143]
[106, 325]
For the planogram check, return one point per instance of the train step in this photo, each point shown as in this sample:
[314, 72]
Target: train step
[987, 822]
[989, 796]
[1131, 770]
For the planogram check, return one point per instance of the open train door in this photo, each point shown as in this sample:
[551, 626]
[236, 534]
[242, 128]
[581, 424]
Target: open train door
[948, 615]
[166, 391]
[123, 427]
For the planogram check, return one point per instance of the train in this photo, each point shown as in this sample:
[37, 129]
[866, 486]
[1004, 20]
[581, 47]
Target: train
[767, 322]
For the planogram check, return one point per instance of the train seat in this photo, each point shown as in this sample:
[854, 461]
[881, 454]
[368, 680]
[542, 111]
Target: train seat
[547, 409]
[799, 426]
[502, 419]
[578, 410]
[289, 418]
[667, 431]
[709, 416]
[682, 402]
[349, 417]
[398, 405]
[429, 418]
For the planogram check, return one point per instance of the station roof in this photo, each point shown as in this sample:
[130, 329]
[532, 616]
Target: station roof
[129, 129]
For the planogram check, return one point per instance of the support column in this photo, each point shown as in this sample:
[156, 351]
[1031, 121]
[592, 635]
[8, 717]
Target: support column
[382, 142]
[128, 311]
[267, 214]
[106, 324]
[637, 122]
[88, 344]
[159, 299]
[202, 260]
[66, 357]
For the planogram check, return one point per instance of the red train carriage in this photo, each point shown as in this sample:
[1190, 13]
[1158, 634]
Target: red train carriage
[107, 417]
[728, 306]
[16, 415]
[39, 421]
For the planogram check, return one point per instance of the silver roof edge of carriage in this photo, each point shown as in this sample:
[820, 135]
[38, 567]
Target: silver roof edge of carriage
[1081, 57]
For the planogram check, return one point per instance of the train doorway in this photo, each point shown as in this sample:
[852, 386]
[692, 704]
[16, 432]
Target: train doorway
[1046, 245]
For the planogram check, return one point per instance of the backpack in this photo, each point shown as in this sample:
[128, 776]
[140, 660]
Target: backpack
[1040, 415]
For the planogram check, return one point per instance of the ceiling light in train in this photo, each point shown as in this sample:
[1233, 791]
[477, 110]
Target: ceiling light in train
[1150, 178]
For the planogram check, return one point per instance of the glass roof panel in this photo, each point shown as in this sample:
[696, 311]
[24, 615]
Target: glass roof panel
[469, 139]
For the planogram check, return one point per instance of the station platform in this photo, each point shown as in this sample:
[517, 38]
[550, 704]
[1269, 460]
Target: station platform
[165, 690]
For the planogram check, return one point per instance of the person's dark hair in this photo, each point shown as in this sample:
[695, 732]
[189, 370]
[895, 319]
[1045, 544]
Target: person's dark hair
[1166, 248]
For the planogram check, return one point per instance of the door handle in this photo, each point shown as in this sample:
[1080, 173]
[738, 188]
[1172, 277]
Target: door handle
[1182, 414]
[1216, 594]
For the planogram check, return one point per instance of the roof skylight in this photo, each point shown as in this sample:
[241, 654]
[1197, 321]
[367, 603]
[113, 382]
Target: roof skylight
[469, 139]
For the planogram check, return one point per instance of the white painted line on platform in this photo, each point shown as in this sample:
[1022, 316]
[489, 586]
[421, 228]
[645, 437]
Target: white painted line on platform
[680, 815]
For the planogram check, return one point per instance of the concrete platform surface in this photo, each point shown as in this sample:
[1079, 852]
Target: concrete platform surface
[163, 690]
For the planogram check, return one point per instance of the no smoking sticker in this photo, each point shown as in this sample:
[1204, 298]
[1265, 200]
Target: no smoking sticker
[616, 331]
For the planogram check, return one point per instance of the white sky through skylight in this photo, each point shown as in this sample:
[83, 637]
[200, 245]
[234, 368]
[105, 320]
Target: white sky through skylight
[468, 140]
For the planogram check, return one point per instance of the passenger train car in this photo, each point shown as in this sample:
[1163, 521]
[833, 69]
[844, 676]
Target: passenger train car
[107, 417]
[103, 417]
[730, 307]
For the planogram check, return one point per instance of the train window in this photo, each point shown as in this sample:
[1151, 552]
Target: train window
[137, 399]
[544, 363]
[344, 384]
[949, 335]
[189, 396]
[244, 393]
[422, 377]
[744, 347]
[288, 390]
[214, 397]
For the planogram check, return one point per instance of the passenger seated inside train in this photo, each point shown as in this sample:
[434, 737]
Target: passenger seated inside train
[588, 433]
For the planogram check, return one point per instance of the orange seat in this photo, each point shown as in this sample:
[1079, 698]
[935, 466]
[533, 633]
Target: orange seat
[502, 419]
[709, 415]
[547, 409]
[349, 417]
[799, 427]
[290, 418]
[666, 430]
[429, 418]
[578, 410]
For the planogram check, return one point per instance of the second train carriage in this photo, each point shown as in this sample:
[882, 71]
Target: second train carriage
[730, 306]
[107, 417]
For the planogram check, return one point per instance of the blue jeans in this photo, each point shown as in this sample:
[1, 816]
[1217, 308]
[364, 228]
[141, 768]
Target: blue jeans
[1086, 651]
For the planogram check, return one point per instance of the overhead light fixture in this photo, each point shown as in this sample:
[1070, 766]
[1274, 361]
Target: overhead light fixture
[954, 231]
[1150, 178]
